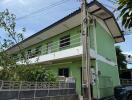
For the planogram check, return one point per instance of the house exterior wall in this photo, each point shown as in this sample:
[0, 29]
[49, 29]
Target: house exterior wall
[108, 76]
[74, 66]
[74, 41]
[108, 73]
[105, 43]
[108, 79]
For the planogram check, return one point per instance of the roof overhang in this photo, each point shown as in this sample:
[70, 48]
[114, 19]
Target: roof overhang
[72, 20]
[98, 10]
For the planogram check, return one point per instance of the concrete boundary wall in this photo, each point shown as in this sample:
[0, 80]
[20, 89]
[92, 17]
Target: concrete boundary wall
[67, 97]
[28, 94]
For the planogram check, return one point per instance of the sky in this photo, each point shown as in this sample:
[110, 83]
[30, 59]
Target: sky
[46, 13]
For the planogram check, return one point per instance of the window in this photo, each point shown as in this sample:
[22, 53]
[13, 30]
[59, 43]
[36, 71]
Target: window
[29, 54]
[63, 72]
[38, 50]
[22, 56]
[49, 47]
[16, 57]
[65, 41]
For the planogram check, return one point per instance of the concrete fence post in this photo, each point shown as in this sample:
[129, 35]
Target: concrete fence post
[35, 90]
[19, 90]
[1, 85]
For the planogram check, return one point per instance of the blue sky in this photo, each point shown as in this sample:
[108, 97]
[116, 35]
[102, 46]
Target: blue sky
[44, 18]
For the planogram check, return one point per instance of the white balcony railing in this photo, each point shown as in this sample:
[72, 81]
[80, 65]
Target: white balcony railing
[74, 41]
[70, 48]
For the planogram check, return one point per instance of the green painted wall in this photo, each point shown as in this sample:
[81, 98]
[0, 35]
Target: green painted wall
[105, 43]
[91, 37]
[108, 78]
[75, 38]
[74, 66]
[105, 47]
[74, 41]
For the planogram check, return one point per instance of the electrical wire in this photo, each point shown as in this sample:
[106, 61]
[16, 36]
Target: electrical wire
[51, 6]
[56, 4]
[113, 1]
[111, 7]
[43, 9]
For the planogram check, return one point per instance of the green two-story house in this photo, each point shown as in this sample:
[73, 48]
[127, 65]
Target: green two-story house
[58, 48]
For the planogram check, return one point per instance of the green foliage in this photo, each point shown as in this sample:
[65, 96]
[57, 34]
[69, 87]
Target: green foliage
[121, 59]
[6, 74]
[125, 8]
[6, 60]
[7, 22]
[10, 70]
[35, 73]
[27, 73]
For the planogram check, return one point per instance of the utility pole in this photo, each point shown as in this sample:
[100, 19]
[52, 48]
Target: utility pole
[86, 51]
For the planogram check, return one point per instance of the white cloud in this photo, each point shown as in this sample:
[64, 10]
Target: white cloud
[6, 1]
[23, 2]
[128, 53]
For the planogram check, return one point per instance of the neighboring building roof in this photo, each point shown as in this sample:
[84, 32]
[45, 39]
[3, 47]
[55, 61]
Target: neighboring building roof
[72, 20]
[128, 58]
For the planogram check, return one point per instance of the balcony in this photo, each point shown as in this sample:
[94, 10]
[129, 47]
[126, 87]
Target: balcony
[68, 46]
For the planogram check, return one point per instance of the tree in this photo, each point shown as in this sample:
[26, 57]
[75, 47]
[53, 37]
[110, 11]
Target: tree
[121, 59]
[10, 70]
[125, 8]
[7, 22]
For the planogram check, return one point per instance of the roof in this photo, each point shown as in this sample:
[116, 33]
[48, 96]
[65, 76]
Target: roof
[72, 20]
[128, 58]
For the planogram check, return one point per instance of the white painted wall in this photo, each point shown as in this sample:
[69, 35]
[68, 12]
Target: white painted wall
[68, 53]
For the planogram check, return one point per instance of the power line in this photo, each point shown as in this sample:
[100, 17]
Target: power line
[109, 6]
[51, 6]
[43, 9]
[112, 1]
[74, 8]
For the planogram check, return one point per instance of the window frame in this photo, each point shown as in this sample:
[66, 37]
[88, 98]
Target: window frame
[65, 41]
[64, 73]
[38, 50]
[49, 47]
[29, 53]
